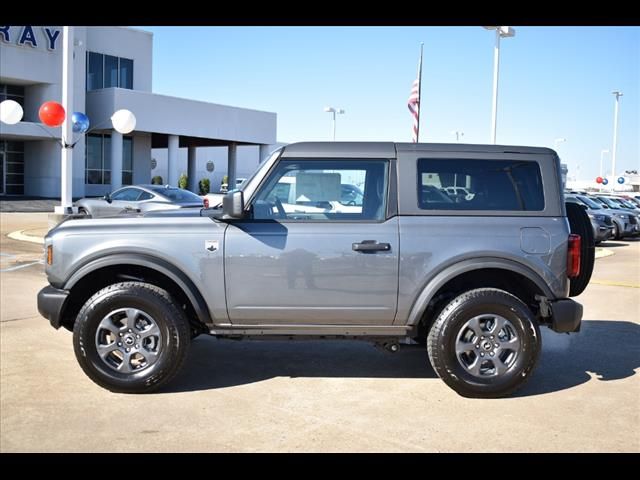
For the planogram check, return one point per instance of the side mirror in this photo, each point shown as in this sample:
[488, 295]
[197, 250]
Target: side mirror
[107, 198]
[233, 205]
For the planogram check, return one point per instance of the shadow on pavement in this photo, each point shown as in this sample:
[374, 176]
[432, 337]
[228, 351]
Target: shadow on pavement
[609, 349]
[611, 244]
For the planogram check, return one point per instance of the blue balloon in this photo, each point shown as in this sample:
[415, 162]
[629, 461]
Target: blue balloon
[80, 122]
[605, 181]
[620, 180]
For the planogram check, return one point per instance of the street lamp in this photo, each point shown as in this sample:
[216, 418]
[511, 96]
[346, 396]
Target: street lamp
[602, 152]
[333, 110]
[458, 134]
[615, 134]
[501, 32]
[558, 141]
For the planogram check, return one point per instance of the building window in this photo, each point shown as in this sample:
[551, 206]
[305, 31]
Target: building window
[94, 71]
[12, 168]
[12, 92]
[105, 71]
[98, 160]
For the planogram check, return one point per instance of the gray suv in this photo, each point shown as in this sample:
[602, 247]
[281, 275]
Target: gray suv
[470, 276]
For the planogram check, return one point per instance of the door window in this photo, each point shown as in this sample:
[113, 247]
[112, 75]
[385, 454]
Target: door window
[324, 190]
[127, 195]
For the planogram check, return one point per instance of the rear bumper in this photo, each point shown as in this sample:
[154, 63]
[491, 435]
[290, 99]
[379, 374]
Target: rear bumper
[566, 315]
[51, 302]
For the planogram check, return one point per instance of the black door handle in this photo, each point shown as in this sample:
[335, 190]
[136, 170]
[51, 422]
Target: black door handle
[370, 246]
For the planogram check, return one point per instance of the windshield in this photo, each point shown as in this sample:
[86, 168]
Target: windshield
[609, 202]
[589, 203]
[177, 194]
[261, 166]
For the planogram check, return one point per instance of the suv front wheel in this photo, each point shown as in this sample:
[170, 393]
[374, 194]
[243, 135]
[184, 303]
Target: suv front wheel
[131, 337]
[484, 344]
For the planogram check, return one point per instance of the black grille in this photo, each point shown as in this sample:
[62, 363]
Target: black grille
[608, 221]
[633, 219]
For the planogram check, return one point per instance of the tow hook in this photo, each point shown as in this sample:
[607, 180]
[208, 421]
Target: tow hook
[388, 346]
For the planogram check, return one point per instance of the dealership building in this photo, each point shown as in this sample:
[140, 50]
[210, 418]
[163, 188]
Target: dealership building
[112, 70]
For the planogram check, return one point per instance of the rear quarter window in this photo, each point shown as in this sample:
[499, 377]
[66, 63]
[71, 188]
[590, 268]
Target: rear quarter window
[470, 184]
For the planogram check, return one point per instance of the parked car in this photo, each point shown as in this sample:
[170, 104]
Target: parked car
[602, 223]
[473, 281]
[625, 223]
[138, 199]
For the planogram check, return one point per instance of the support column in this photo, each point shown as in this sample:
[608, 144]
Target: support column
[231, 165]
[192, 170]
[116, 160]
[265, 150]
[172, 163]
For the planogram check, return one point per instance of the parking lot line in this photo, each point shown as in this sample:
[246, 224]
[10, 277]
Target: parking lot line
[614, 284]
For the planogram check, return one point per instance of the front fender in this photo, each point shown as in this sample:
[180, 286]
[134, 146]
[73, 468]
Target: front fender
[148, 261]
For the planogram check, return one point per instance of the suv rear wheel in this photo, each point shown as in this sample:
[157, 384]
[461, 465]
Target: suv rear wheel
[131, 337]
[484, 344]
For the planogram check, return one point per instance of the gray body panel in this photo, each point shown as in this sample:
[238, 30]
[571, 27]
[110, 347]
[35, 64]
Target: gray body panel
[435, 249]
[307, 273]
[179, 242]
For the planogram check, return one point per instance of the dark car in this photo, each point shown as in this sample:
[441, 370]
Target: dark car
[601, 222]
[139, 199]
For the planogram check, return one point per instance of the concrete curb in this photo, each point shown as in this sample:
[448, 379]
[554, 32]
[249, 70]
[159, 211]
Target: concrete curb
[23, 237]
[603, 252]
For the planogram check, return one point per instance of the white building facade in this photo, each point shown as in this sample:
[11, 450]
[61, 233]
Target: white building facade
[112, 71]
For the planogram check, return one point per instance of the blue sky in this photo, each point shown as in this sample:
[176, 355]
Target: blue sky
[555, 82]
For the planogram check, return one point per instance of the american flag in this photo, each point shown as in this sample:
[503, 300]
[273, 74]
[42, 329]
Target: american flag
[414, 101]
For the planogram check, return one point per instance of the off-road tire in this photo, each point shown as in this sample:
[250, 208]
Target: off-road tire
[441, 342]
[153, 301]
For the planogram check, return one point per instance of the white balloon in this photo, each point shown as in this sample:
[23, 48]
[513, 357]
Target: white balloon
[123, 121]
[10, 112]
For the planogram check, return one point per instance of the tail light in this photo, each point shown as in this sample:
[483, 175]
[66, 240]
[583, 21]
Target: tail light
[206, 203]
[573, 256]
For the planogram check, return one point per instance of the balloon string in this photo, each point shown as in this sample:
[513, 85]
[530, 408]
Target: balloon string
[89, 131]
[62, 143]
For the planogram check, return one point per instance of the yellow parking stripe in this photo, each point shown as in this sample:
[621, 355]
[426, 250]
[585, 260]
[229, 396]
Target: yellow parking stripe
[614, 284]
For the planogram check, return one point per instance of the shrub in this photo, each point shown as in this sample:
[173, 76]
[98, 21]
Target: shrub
[157, 180]
[183, 181]
[203, 186]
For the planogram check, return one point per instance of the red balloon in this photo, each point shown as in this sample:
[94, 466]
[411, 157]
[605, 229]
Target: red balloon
[599, 180]
[52, 114]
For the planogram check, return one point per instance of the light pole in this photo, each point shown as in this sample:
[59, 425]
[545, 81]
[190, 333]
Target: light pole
[615, 135]
[602, 152]
[501, 32]
[333, 110]
[458, 134]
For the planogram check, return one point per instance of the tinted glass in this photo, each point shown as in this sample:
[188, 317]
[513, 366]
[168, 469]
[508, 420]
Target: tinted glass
[127, 153]
[469, 184]
[110, 71]
[145, 196]
[127, 194]
[94, 152]
[589, 203]
[126, 73]
[94, 70]
[177, 194]
[315, 189]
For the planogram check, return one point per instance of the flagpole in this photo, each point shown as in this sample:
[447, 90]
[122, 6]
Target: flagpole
[419, 93]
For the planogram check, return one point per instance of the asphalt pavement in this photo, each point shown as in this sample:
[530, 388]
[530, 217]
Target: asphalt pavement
[318, 396]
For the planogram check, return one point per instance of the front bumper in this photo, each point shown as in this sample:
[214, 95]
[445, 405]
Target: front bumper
[566, 315]
[51, 302]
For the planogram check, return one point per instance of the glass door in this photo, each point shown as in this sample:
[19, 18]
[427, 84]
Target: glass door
[2, 172]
